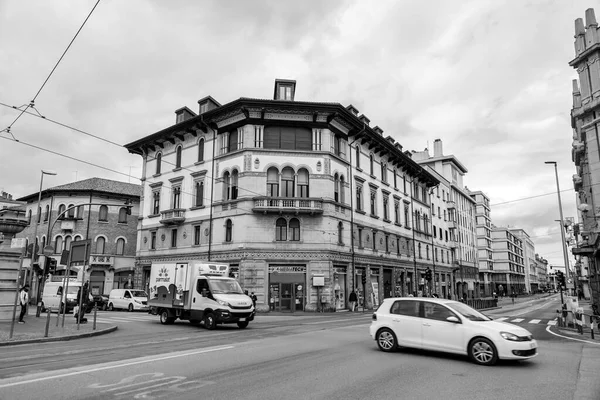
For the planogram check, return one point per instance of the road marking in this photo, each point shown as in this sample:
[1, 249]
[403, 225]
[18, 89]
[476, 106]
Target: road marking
[500, 319]
[117, 365]
[329, 321]
[535, 321]
[552, 323]
[517, 320]
[570, 338]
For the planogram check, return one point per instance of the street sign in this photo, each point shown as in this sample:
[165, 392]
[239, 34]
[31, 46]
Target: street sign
[48, 250]
[17, 243]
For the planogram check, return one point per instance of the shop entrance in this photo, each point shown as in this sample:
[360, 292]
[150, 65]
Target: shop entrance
[287, 288]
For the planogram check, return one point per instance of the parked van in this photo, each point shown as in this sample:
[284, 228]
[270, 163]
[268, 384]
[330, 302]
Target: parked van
[128, 299]
[54, 295]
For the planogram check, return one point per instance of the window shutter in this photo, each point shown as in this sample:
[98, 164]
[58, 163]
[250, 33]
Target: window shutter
[288, 138]
[303, 139]
[271, 137]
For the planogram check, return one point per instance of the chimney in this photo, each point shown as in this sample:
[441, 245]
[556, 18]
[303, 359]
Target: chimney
[576, 94]
[353, 110]
[390, 139]
[285, 89]
[579, 37]
[378, 130]
[437, 148]
[364, 119]
[591, 34]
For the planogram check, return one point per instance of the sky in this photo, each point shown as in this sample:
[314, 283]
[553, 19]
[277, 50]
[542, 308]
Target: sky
[489, 78]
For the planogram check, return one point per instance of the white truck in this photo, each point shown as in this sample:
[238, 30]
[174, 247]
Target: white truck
[200, 292]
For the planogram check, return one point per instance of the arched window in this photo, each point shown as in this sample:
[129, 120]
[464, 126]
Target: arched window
[294, 229]
[234, 184]
[103, 214]
[281, 230]
[79, 212]
[68, 243]
[303, 191]
[100, 244]
[201, 150]
[383, 172]
[426, 224]
[71, 212]
[47, 213]
[336, 188]
[357, 156]
[76, 238]
[58, 245]
[420, 255]
[120, 246]
[340, 233]
[199, 192]
[272, 182]
[123, 215]
[228, 230]
[342, 197]
[427, 251]
[226, 186]
[158, 162]
[29, 217]
[287, 182]
[39, 215]
[43, 244]
[178, 157]
[371, 165]
[61, 210]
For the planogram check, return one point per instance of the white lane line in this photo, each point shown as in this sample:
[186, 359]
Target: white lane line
[330, 321]
[535, 321]
[517, 320]
[501, 319]
[117, 365]
[570, 338]
[552, 323]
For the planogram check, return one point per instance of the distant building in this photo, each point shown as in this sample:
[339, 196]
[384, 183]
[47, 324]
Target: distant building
[6, 201]
[531, 279]
[106, 224]
[509, 264]
[484, 243]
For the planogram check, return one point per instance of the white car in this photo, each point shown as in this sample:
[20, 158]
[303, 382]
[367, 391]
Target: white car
[128, 299]
[448, 326]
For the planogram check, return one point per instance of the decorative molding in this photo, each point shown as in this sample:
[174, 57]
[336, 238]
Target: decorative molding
[327, 166]
[247, 162]
[288, 117]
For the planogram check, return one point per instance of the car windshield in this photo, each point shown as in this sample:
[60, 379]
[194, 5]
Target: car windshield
[225, 286]
[468, 312]
[138, 293]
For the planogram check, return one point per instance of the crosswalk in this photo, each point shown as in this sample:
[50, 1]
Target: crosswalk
[523, 320]
[107, 318]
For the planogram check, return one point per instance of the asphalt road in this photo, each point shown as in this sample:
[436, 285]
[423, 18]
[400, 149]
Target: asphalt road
[314, 357]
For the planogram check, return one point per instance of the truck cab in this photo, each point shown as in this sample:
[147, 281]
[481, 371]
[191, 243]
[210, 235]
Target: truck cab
[199, 292]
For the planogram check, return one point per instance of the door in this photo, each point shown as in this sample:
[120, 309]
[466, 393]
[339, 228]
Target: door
[439, 334]
[200, 302]
[287, 300]
[406, 322]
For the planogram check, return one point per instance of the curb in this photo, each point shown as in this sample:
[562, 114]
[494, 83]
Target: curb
[59, 338]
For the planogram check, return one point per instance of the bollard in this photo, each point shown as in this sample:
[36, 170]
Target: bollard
[47, 323]
[95, 312]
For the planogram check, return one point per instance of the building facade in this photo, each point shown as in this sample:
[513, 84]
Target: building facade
[93, 209]
[531, 280]
[509, 266]
[585, 121]
[485, 259]
[285, 191]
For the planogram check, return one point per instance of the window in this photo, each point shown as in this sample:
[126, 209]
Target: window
[176, 197]
[103, 214]
[79, 212]
[340, 233]
[71, 212]
[426, 224]
[123, 215]
[201, 150]
[439, 213]
[387, 243]
[233, 141]
[47, 213]
[61, 209]
[294, 229]
[424, 194]
[383, 172]
[281, 230]
[179, 118]
[258, 137]
[371, 165]
[420, 254]
[357, 156]
[373, 203]
[436, 311]
[158, 163]
[359, 198]
[404, 183]
[406, 216]
[386, 201]
[199, 194]
[405, 307]
[29, 218]
[120, 246]
[317, 144]
[434, 229]
[397, 212]
[234, 184]
[374, 234]
[427, 251]
[395, 179]
[156, 203]
[58, 245]
[197, 234]
[303, 183]
[68, 243]
[153, 240]
[287, 182]
[100, 244]
[342, 186]
[273, 182]
[288, 138]
[285, 92]
[336, 188]
[39, 214]
[228, 230]
[360, 235]
[173, 237]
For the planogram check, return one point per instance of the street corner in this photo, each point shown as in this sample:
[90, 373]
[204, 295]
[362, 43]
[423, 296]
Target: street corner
[29, 334]
[574, 335]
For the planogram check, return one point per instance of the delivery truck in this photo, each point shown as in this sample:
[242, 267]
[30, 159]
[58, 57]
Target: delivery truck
[199, 292]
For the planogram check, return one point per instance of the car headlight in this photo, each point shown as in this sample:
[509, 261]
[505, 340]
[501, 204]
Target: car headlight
[223, 303]
[137, 301]
[510, 336]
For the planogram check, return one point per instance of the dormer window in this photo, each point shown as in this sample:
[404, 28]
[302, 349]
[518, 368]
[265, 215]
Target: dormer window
[284, 89]
[180, 118]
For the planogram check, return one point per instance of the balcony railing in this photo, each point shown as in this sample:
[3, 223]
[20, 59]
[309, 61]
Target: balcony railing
[175, 216]
[297, 205]
[451, 224]
[450, 205]
[101, 259]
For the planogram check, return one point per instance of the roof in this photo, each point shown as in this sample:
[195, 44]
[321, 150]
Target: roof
[99, 185]
[449, 158]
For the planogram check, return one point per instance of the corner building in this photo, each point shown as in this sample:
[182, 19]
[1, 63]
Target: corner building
[284, 191]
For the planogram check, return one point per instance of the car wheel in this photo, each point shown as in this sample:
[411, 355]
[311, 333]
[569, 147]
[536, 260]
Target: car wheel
[110, 307]
[165, 319]
[242, 324]
[386, 340]
[209, 321]
[483, 352]
[130, 308]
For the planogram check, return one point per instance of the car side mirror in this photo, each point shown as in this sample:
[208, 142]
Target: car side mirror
[453, 319]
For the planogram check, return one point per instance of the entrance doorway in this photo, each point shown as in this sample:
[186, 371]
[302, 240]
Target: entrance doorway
[287, 297]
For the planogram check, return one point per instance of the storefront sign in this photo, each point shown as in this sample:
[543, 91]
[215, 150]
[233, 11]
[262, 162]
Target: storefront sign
[339, 270]
[287, 269]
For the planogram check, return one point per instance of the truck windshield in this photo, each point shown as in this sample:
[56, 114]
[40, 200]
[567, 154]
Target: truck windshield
[225, 286]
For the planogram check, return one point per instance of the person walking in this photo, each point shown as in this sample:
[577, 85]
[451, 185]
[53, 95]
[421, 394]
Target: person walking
[23, 300]
[254, 299]
[352, 299]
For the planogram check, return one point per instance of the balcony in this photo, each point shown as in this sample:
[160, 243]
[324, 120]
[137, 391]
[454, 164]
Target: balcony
[451, 224]
[101, 259]
[67, 224]
[450, 205]
[175, 216]
[577, 182]
[294, 205]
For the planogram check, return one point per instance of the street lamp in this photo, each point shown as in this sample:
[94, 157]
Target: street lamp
[39, 217]
[562, 228]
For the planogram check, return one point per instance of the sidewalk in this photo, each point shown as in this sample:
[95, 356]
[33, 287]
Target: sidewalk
[32, 331]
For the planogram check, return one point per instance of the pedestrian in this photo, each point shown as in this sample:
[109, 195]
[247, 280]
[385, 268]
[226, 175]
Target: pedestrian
[23, 300]
[83, 297]
[254, 299]
[513, 297]
[352, 299]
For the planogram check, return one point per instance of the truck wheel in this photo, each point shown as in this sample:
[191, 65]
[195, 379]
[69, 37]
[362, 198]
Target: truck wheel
[242, 325]
[209, 321]
[165, 319]
[110, 307]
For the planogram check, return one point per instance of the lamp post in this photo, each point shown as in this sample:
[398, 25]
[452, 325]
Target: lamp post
[35, 229]
[562, 228]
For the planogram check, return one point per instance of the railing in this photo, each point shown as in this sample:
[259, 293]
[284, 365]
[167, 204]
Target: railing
[481, 304]
[450, 204]
[101, 259]
[174, 216]
[276, 204]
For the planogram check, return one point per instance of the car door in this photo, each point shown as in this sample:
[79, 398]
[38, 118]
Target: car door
[198, 301]
[126, 299]
[407, 322]
[440, 334]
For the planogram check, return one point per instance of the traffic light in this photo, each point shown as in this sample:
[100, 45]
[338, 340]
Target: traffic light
[51, 266]
[560, 277]
[364, 279]
[428, 274]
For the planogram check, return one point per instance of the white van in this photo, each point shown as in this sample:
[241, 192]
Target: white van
[128, 299]
[54, 297]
